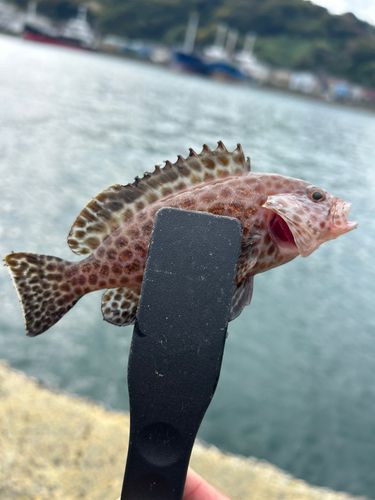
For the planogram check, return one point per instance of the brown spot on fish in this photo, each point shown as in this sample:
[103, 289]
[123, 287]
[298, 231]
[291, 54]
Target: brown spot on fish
[188, 203]
[151, 197]
[96, 264]
[125, 255]
[133, 232]
[208, 197]
[111, 254]
[92, 242]
[32, 259]
[104, 271]
[116, 269]
[100, 252]
[86, 268]
[166, 191]
[54, 277]
[93, 279]
[127, 215]
[172, 175]
[181, 186]
[194, 165]
[133, 267]
[147, 228]
[141, 250]
[208, 163]
[223, 160]
[235, 208]
[121, 242]
[243, 192]
[99, 227]
[259, 188]
[218, 209]
[72, 271]
[88, 215]
[226, 193]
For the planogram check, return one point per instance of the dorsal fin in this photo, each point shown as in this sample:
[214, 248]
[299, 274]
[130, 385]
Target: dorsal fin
[112, 207]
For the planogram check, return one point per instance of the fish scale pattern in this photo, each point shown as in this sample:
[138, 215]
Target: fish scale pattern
[118, 204]
[119, 306]
[42, 288]
[281, 219]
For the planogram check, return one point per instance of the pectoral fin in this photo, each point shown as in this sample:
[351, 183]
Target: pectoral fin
[241, 297]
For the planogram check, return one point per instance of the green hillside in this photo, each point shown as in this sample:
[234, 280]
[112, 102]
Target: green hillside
[290, 33]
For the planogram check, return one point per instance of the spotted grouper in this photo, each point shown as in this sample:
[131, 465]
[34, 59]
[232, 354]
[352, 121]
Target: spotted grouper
[281, 217]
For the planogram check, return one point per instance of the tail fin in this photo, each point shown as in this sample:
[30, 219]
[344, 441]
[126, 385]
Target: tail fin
[43, 288]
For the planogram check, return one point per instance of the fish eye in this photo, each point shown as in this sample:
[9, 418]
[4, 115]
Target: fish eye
[316, 195]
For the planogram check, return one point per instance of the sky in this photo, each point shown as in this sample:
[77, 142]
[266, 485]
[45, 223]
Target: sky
[363, 9]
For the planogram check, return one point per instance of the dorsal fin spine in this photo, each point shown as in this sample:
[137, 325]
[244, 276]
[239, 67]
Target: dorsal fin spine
[221, 147]
[206, 150]
[117, 204]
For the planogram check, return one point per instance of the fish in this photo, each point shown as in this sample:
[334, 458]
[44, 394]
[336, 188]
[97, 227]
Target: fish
[282, 217]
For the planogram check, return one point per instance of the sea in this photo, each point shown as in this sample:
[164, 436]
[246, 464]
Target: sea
[297, 386]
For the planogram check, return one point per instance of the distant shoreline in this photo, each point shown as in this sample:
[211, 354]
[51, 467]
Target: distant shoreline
[368, 107]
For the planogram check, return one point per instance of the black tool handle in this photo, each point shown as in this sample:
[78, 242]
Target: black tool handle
[177, 346]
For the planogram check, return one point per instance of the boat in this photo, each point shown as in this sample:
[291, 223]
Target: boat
[219, 57]
[75, 34]
[191, 63]
[187, 59]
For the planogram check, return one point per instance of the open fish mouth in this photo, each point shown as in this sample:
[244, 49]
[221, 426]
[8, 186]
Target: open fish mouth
[339, 218]
[281, 234]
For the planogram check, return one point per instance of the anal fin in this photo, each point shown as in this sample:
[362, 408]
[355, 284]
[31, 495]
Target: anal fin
[119, 306]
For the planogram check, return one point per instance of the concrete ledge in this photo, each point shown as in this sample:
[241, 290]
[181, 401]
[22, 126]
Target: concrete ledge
[55, 446]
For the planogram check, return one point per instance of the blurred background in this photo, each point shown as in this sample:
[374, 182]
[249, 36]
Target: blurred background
[94, 94]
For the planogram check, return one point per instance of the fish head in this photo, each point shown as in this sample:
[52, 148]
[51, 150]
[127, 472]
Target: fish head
[305, 219]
